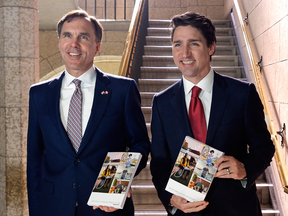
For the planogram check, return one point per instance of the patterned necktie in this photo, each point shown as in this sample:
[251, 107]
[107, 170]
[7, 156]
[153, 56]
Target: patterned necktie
[74, 121]
[197, 116]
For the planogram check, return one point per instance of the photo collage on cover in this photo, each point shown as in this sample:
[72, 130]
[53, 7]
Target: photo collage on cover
[194, 167]
[116, 172]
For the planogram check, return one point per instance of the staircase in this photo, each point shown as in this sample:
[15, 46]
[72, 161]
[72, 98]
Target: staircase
[157, 73]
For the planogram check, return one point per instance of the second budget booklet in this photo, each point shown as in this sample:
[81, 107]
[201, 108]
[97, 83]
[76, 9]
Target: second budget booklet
[194, 170]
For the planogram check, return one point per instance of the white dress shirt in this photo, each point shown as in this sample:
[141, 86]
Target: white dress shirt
[206, 84]
[88, 81]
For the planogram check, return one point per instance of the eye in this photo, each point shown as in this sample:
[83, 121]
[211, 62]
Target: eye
[177, 45]
[67, 35]
[84, 37]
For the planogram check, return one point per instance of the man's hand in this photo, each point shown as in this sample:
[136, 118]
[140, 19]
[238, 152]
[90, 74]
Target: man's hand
[229, 167]
[187, 207]
[111, 209]
[105, 208]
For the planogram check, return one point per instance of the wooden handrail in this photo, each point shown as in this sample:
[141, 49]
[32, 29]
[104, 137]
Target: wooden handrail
[280, 162]
[130, 38]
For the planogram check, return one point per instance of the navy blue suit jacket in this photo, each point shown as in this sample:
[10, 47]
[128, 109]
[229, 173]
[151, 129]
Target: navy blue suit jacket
[236, 120]
[57, 177]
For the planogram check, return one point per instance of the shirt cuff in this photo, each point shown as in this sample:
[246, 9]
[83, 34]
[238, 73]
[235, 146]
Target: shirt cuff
[244, 182]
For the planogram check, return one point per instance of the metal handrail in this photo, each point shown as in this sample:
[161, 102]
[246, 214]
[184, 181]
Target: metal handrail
[280, 162]
[131, 40]
[87, 3]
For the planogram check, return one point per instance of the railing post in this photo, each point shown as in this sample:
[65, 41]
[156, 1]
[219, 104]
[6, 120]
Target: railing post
[124, 9]
[95, 7]
[115, 9]
[105, 9]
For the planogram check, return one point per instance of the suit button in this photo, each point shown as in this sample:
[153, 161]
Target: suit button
[77, 160]
[74, 185]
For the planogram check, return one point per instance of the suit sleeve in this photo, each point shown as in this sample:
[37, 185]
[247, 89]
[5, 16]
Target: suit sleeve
[35, 156]
[161, 162]
[136, 130]
[261, 148]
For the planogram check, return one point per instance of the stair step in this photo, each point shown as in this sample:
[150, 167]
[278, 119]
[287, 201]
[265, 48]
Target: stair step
[151, 212]
[167, 50]
[158, 85]
[145, 187]
[158, 40]
[166, 40]
[148, 125]
[145, 174]
[147, 113]
[146, 98]
[166, 23]
[155, 85]
[160, 31]
[174, 73]
[167, 61]
[266, 211]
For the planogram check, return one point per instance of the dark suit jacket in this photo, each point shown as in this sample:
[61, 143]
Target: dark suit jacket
[236, 120]
[57, 177]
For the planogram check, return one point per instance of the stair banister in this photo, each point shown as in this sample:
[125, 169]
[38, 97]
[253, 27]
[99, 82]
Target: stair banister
[280, 162]
[134, 45]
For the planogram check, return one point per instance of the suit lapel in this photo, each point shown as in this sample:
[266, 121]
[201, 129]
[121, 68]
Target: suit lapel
[178, 103]
[53, 97]
[101, 98]
[220, 98]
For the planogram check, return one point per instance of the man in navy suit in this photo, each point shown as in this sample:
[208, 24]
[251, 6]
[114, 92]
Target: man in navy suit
[60, 177]
[234, 119]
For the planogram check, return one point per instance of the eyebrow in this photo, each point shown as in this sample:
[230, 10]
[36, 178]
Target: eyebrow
[81, 33]
[190, 40]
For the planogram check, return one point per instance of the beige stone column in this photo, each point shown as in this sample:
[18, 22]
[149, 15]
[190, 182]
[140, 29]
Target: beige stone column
[19, 66]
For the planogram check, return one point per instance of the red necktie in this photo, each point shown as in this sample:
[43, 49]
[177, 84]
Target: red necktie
[197, 116]
[74, 121]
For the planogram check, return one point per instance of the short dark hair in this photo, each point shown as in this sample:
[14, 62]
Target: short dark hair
[200, 22]
[81, 13]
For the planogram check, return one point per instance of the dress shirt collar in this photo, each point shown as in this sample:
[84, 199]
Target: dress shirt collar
[205, 84]
[88, 78]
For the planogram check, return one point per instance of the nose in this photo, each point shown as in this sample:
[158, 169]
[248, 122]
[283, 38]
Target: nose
[75, 42]
[186, 51]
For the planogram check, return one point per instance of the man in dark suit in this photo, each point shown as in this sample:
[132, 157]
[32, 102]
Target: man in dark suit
[65, 149]
[233, 119]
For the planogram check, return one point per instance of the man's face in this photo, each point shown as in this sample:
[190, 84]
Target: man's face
[190, 53]
[77, 45]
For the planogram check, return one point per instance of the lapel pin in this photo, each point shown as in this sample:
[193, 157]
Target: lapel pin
[104, 92]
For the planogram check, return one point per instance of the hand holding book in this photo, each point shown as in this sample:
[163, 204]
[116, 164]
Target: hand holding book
[187, 207]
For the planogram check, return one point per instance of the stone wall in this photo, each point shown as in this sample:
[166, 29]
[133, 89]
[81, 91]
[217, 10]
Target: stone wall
[268, 26]
[19, 65]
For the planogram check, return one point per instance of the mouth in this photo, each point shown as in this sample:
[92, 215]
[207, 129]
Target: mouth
[187, 62]
[74, 54]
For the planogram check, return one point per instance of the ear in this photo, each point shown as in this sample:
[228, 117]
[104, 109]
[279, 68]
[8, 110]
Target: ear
[212, 49]
[98, 46]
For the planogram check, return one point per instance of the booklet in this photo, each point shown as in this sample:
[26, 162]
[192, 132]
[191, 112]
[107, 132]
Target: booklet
[114, 180]
[194, 170]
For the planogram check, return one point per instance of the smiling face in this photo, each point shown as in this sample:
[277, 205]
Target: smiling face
[191, 53]
[77, 45]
